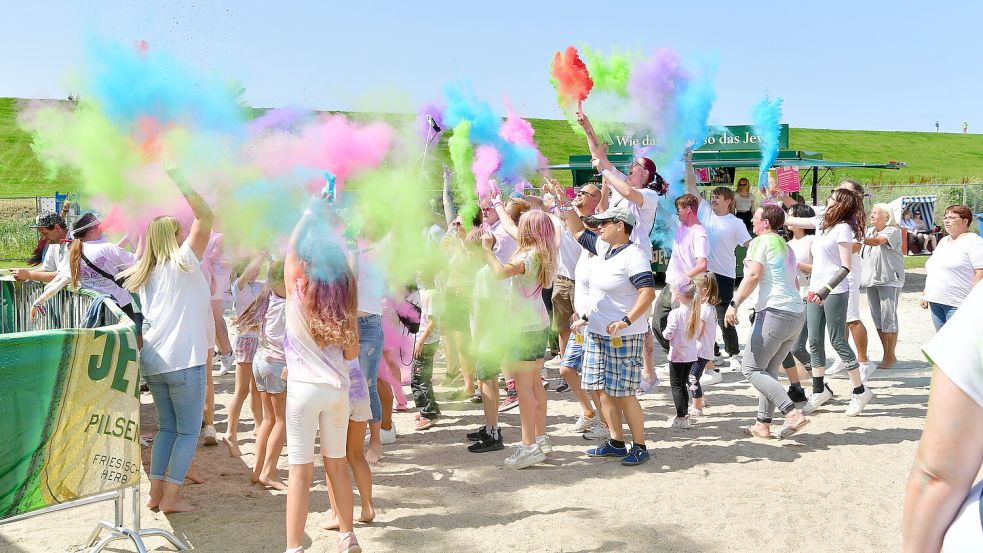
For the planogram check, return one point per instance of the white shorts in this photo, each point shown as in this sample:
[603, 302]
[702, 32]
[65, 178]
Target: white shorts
[853, 302]
[313, 406]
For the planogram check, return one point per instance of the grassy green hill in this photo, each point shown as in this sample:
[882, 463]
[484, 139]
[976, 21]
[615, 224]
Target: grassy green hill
[931, 158]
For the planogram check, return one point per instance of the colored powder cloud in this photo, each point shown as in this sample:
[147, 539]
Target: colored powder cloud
[486, 162]
[570, 77]
[766, 120]
[464, 184]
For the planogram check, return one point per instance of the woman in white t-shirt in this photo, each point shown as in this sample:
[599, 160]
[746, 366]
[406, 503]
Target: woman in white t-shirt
[770, 266]
[955, 267]
[943, 510]
[94, 263]
[321, 336]
[840, 227]
[174, 296]
[531, 268]
[744, 202]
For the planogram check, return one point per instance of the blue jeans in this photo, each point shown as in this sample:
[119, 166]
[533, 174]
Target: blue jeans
[369, 353]
[179, 397]
[941, 313]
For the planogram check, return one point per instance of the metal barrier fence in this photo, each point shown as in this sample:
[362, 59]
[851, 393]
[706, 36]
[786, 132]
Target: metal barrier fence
[65, 313]
[969, 194]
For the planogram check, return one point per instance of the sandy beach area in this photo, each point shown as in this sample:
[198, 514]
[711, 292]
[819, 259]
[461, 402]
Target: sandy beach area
[838, 486]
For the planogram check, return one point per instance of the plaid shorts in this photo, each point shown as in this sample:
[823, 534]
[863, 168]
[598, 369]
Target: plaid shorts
[615, 371]
[245, 349]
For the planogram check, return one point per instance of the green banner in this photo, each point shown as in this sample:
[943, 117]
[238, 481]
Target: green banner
[734, 137]
[69, 415]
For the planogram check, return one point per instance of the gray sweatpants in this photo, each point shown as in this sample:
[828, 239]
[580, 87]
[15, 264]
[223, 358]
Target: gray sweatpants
[884, 307]
[831, 317]
[772, 336]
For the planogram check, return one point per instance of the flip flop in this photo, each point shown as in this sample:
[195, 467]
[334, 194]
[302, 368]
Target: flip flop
[749, 431]
[788, 431]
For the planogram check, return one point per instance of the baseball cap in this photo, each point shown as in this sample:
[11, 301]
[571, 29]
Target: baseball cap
[617, 213]
[47, 219]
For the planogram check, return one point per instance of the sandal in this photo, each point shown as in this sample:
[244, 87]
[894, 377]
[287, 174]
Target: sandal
[788, 431]
[749, 431]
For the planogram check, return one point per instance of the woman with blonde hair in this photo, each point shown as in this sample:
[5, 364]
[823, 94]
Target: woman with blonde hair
[532, 268]
[174, 296]
[884, 275]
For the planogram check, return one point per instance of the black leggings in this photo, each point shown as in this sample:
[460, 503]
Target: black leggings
[679, 384]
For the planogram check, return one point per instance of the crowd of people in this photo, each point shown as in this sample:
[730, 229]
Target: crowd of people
[318, 344]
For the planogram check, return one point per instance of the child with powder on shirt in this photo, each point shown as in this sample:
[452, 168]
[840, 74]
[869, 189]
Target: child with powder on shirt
[706, 287]
[682, 331]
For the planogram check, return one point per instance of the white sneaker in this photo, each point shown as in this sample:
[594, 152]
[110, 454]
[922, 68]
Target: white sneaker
[209, 434]
[226, 362]
[679, 422]
[597, 432]
[837, 367]
[816, 400]
[553, 363]
[387, 437]
[866, 370]
[735, 363]
[544, 443]
[710, 377]
[582, 424]
[525, 457]
[858, 402]
[694, 412]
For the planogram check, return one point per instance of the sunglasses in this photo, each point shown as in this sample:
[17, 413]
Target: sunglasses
[583, 192]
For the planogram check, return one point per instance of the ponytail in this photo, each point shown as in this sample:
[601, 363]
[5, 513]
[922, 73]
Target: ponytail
[75, 261]
[660, 185]
[693, 324]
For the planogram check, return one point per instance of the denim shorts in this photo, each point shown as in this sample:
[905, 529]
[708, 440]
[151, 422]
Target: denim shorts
[573, 355]
[269, 375]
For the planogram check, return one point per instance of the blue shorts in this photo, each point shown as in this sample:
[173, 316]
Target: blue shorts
[573, 355]
[269, 375]
[617, 371]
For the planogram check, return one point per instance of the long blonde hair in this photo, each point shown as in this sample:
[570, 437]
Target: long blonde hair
[689, 292]
[160, 246]
[538, 235]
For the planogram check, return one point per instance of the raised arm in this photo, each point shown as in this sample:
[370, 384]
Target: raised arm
[449, 212]
[597, 151]
[500, 271]
[251, 271]
[691, 174]
[619, 184]
[201, 228]
[800, 222]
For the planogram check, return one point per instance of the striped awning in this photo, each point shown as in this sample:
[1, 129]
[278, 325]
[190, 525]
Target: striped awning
[924, 205]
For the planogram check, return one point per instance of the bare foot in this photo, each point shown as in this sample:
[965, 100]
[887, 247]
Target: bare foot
[373, 454]
[888, 363]
[152, 503]
[274, 483]
[193, 475]
[230, 442]
[332, 521]
[368, 513]
[178, 506]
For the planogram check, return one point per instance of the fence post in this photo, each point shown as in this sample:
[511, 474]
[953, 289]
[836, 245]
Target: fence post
[965, 197]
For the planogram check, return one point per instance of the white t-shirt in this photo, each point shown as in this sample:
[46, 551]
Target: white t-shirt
[505, 245]
[611, 294]
[777, 288]
[708, 316]
[242, 299]
[371, 280]
[528, 304]
[177, 311]
[306, 361]
[681, 348]
[802, 248]
[743, 204]
[826, 256]
[110, 258]
[53, 256]
[724, 234]
[951, 269]
[644, 215]
[274, 330]
[581, 297]
[957, 349]
[426, 315]
[689, 244]
[570, 250]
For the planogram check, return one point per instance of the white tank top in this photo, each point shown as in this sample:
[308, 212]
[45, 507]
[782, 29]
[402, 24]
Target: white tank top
[306, 362]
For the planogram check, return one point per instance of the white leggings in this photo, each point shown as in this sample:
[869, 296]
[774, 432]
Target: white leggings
[311, 406]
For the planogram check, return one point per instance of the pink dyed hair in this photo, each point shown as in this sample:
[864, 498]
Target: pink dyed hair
[537, 234]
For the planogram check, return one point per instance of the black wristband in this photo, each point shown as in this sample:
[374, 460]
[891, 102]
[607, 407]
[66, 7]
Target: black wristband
[626, 320]
[583, 318]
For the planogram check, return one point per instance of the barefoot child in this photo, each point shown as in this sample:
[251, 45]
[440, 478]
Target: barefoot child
[267, 316]
[245, 290]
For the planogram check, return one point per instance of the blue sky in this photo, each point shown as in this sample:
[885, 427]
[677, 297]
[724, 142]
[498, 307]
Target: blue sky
[842, 65]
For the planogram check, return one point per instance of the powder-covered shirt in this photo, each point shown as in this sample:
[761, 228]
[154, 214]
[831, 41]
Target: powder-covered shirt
[243, 298]
[951, 269]
[274, 330]
[644, 214]
[826, 256]
[690, 244]
[777, 288]
[427, 315]
[306, 361]
[682, 349]
[708, 331]
[724, 234]
[526, 294]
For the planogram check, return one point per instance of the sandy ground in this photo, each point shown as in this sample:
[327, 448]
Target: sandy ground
[838, 486]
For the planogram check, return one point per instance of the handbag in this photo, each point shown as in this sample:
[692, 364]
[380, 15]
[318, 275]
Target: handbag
[868, 266]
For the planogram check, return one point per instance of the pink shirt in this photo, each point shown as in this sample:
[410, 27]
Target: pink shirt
[689, 245]
[708, 316]
[681, 348]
